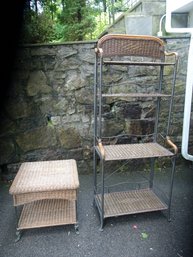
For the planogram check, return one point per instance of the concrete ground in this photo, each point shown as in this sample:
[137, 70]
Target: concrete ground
[141, 235]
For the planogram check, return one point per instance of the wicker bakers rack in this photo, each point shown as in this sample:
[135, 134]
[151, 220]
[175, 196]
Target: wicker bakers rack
[124, 55]
[47, 193]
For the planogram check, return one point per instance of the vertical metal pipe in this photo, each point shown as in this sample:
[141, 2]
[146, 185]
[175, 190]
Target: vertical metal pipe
[95, 96]
[188, 104]
[100, 98]
[172, 98]
[95, 120]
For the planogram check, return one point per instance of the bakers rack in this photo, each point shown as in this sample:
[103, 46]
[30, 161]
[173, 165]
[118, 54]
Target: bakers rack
[126, 54]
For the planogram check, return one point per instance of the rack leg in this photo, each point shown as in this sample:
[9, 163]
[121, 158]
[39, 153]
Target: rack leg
[152, 172]
[171, 187]
[95, 171]
[102, 196]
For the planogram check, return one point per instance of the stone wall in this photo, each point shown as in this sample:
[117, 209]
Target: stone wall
[48, 110]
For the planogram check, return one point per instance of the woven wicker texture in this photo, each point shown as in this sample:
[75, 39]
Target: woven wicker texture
[47, 213]
[131, 45]
[143, 62]
[134, 151]
[138, 95]
[135, 201]
[69, 194]
[45, 176]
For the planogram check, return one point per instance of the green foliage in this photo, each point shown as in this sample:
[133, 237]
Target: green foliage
[59, 31]
[37, 28]
[101, 24]
[66, 20]
[77, 20]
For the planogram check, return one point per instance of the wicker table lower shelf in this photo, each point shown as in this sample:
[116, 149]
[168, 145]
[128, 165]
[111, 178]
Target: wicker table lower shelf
[46, 213]
[130, 202]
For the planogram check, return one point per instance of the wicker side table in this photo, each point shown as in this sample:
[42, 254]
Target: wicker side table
[47, 192]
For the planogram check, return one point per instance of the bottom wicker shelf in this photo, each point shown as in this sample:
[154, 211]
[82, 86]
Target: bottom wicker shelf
[49, 212]
[135, 201]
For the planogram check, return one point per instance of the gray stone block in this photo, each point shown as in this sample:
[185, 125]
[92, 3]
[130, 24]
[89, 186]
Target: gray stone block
[139, 25]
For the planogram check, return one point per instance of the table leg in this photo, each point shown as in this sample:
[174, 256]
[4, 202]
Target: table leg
[18, 235]
[76, 227]
[18, 232]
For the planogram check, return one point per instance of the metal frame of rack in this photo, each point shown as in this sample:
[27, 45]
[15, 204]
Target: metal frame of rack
[111, 50]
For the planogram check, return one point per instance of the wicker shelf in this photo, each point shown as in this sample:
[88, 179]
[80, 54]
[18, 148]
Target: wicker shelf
[137, 95]
[134, 151]
[134, 201]
[46, 213]
[142, 63]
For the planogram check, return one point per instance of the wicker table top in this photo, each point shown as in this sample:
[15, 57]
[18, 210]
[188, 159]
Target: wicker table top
[43, 176]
